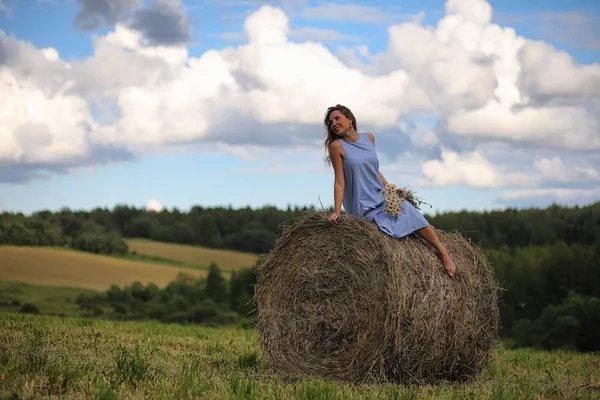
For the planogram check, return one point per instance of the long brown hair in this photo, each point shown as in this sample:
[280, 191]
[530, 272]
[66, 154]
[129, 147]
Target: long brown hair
[330, 134]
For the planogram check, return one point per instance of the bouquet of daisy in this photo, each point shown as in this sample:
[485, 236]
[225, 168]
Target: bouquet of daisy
[393, 199]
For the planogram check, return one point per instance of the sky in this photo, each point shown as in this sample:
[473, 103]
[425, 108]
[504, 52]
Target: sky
[474, 104]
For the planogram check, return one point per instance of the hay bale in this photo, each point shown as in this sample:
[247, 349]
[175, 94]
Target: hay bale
[351, 303]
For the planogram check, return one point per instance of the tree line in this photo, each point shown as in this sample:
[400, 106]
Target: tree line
[255, 230]
[546, 260]
[213, 300]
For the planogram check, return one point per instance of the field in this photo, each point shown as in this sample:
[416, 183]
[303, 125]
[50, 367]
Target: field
[48, 299]
[44, 356]
[226, 260]
[71, 357]
[60, 267]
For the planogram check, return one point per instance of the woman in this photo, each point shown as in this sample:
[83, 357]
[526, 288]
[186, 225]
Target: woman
[358, 183]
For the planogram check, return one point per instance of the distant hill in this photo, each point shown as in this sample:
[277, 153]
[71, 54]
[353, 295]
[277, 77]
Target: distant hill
[60, 267]
[226, 260]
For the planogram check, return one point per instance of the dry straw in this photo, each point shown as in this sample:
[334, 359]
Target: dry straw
[351, 303]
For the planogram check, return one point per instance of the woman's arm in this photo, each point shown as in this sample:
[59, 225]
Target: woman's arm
[335, 154]
[379, 174]
[382, 178]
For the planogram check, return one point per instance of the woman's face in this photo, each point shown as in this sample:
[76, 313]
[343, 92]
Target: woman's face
[339, 123]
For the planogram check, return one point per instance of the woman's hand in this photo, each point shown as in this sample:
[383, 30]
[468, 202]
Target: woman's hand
[334, 218]
[402, 192]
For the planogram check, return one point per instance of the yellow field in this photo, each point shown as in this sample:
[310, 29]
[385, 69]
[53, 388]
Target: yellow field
[226, 260]
[48, 266]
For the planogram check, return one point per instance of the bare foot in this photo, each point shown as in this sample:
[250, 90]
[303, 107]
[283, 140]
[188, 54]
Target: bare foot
[449, 265]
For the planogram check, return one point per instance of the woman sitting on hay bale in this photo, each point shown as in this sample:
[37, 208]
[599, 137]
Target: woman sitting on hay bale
[359, 184]
[356, 304]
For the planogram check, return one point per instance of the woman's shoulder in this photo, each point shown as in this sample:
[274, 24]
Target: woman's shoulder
[335, 145]
[370, 136]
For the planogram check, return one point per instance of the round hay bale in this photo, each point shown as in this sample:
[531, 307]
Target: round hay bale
[351, 303]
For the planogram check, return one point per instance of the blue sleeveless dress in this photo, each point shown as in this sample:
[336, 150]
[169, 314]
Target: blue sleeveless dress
[362, 191]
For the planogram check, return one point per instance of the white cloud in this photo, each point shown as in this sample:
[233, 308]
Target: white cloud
[154, 205]
[469, 168]
[454, 66]
[559, 127]
[255, 80]
[476, 169]
[555, 170]
[41, 126]
[549, 75]
[93, 13]
[474, 11]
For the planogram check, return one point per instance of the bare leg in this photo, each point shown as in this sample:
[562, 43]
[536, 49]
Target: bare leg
[428, 234]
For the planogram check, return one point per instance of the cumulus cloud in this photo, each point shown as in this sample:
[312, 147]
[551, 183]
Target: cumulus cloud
[555, 170]
[256, 84]
[41, 122]
[452, 66]
[164, 22]
[551, 77]
[141, 91]
[45, 126]
[93, 13]
[558, 127]
[469, 169]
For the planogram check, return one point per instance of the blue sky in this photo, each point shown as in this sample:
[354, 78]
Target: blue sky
[435, 144]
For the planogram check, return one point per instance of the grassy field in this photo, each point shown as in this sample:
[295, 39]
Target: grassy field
[60, 267]
[226, 260]
[80, 358]
[48, 299]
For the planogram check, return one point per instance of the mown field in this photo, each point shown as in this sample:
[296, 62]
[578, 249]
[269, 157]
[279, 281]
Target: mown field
[61, 267]
[226, 260]
[44, 356]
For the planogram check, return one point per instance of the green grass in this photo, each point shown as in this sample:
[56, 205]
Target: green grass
[44, 356]
[50, 300]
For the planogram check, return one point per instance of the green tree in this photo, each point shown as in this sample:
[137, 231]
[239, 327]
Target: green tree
[216, 287]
